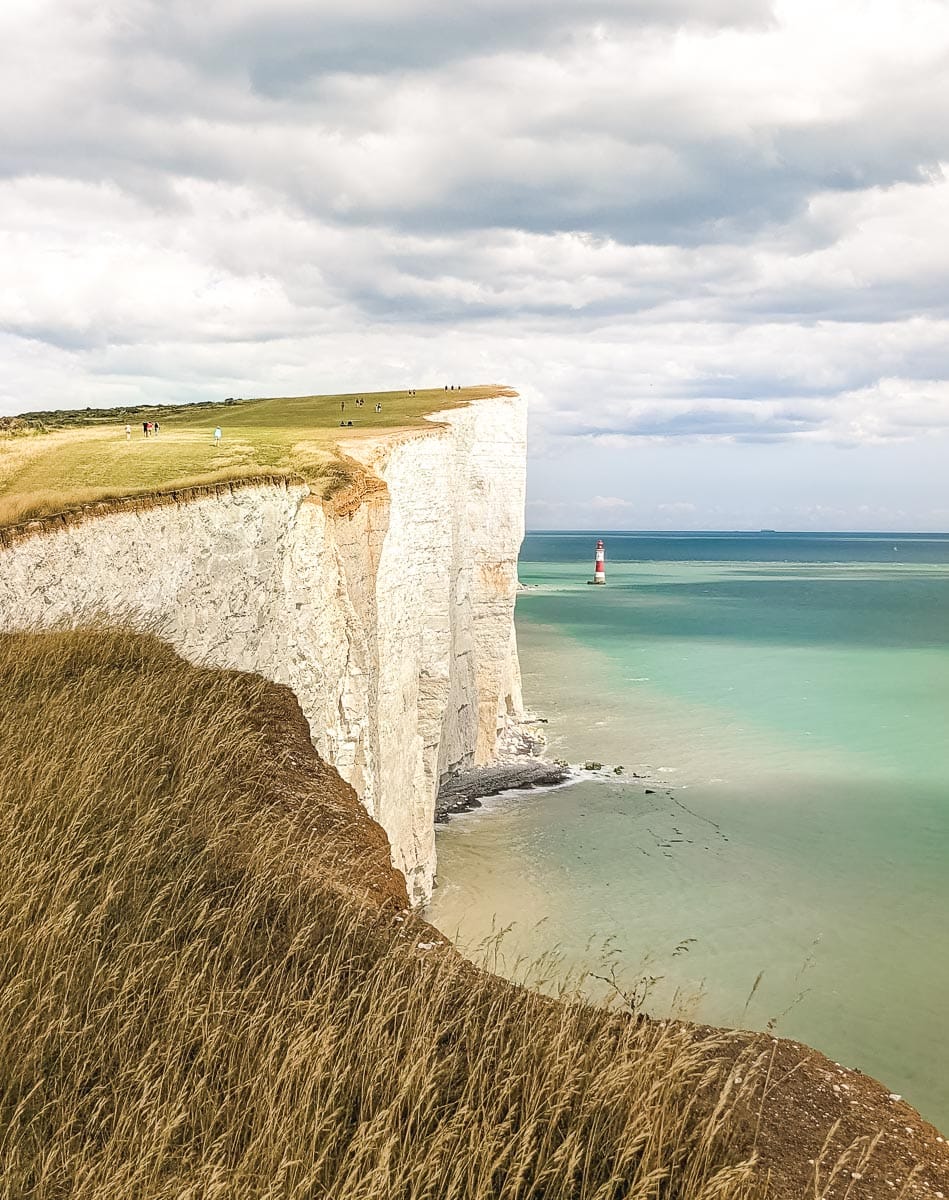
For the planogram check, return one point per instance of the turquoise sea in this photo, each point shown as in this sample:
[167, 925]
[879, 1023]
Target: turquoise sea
[784, 699]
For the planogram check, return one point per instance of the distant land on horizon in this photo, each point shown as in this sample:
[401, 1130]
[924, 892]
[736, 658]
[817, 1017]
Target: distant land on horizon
[598, 531]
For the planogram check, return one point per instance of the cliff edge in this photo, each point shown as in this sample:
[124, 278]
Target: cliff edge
[387, 609]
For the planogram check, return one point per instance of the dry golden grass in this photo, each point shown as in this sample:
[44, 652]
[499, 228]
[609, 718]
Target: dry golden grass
[191, 1007]
[18, 453]
[38, 505]
[326, 473]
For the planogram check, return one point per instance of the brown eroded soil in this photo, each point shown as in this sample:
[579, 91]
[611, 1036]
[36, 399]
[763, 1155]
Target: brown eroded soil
[827, 1131]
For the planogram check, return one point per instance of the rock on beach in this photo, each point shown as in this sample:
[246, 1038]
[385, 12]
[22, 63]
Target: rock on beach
[464, 790]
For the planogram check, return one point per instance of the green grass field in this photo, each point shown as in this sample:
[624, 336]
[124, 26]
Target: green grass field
[54, 462]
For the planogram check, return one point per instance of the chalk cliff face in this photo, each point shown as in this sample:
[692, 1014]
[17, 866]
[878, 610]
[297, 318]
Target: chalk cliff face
[392, 622]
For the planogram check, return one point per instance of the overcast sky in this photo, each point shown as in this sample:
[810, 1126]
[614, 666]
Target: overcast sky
[708, 239]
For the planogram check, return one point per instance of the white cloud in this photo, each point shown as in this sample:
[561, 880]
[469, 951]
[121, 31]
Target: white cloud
[610, 504]
[725, 221]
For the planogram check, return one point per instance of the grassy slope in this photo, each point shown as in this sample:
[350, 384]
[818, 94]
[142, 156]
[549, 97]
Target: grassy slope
[196, 1001]
[210, 987]
[57, 461]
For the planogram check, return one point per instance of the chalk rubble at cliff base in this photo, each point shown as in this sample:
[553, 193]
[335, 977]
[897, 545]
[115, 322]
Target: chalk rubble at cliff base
[464, 791]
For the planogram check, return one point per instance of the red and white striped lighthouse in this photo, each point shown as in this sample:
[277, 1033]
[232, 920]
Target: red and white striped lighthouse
[599, 565]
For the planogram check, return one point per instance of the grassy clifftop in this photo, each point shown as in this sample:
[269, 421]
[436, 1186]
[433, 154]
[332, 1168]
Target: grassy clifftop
[57, 461]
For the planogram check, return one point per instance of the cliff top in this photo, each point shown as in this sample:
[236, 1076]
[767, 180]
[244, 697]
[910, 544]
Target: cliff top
[56, 462]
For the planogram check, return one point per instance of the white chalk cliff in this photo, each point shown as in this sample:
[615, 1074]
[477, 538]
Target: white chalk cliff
[392, 623]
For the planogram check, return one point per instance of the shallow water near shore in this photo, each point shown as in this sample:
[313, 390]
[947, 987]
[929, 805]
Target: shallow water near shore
[785, 699]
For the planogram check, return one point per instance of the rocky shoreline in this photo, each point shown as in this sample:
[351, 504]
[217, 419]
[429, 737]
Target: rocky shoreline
[465, 790]
[521, 766]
